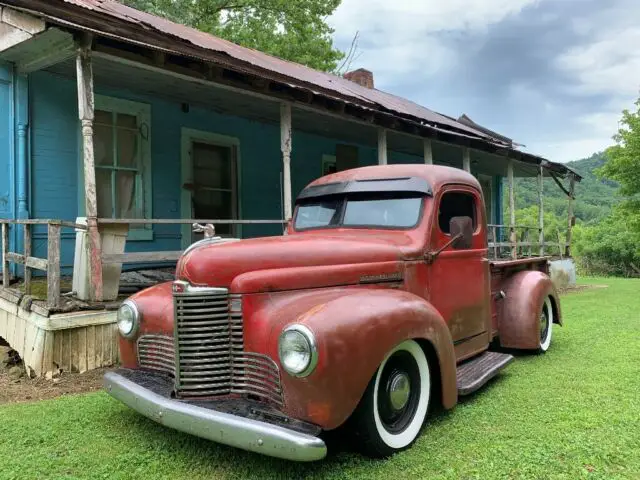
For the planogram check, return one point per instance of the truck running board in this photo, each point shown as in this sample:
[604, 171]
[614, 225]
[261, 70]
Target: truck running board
[474, 373]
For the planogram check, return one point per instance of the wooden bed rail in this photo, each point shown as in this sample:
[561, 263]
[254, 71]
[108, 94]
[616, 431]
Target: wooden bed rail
[517, 240]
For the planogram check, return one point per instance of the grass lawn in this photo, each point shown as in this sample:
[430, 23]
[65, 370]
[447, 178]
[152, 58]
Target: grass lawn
[572, 413]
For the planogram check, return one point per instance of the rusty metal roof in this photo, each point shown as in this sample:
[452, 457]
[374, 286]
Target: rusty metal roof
[186, 41]
[294, 70]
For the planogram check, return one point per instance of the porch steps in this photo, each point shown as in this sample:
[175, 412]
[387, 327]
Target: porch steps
[476, 372]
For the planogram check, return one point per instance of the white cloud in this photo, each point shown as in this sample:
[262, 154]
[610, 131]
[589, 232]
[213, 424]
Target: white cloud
[409, 36]
[567, 150]
[582, 136]
[610, 64]
[564, 105]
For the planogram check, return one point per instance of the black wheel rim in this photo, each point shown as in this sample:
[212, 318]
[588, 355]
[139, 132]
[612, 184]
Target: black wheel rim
[396, 405]
[544, 324]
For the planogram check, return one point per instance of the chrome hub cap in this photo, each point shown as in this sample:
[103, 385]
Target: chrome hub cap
[399, 390]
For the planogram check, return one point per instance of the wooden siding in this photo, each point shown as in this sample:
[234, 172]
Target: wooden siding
[71, 342]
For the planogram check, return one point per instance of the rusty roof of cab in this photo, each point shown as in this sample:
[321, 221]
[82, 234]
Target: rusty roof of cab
[436, 176]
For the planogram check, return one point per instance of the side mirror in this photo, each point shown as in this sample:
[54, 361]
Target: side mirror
[461, 227]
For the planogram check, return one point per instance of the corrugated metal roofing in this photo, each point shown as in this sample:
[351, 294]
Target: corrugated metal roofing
[268, 62]
[245, 58]
[294, 71]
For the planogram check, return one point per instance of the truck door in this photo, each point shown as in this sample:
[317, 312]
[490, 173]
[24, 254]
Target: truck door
[458, 279]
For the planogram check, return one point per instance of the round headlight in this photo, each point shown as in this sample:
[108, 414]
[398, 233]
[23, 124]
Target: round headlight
[128, 318]
[297, 350]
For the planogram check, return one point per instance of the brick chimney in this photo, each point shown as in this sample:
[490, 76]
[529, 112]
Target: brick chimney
[361, 77]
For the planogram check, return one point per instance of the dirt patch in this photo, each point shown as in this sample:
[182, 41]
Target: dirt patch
[32, 389]
[579, 288]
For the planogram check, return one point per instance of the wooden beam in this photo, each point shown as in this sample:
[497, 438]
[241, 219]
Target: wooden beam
[428, 151]
[6, 275]
[31, 262]
[86, 113]
[541, 210]
[568, 193]
[17, 27]
[572, 183]
[513, 237]
[27, 255]
[53, 265]
[466, 159]
[49, 48]
[184, 221]
[141, 257]
[382, 146]
[285, 147]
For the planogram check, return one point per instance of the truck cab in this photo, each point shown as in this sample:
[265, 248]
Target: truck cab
[377, 303]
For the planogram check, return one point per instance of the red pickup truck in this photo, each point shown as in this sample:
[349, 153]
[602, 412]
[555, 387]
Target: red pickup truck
[377, 304]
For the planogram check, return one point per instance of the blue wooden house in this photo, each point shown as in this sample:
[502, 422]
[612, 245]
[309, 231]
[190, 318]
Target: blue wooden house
[187, 125]
[108, 113]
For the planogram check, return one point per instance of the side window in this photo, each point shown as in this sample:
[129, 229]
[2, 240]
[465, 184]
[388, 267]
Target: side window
[456, 204]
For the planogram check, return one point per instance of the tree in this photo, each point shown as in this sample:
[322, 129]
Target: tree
[609, 247]
[623, 164]
[292, 30]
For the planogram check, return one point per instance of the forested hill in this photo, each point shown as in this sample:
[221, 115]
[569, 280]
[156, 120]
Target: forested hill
[594, 197]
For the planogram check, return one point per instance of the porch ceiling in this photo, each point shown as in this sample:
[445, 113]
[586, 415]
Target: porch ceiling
[113, 73]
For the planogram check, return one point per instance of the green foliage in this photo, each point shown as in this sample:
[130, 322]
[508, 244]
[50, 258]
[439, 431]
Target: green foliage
[528, 217]
[569, 414]
[623, 166]
[624, 158]
[595, 197]
[292, 30]
[609, 247]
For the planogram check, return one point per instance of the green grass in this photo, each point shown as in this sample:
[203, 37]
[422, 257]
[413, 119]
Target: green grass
[572, 413]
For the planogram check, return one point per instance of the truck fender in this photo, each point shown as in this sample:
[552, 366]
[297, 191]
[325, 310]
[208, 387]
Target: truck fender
[354, 332]
[525, 293]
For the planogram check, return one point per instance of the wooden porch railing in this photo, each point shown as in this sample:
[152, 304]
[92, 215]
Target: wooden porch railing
[165, 256]
[517, 240]
[50, 265]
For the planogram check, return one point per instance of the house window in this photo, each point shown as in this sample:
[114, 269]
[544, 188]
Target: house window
[122, 159]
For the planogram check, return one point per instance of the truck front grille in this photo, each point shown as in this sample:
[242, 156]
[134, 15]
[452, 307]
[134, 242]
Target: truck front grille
[155, 352]
[209, 345]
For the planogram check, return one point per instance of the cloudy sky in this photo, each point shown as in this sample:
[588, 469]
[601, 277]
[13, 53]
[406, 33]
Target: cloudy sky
[552, 74]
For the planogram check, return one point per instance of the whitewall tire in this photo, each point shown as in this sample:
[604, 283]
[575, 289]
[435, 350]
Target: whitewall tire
[546, 325]
[395, 404]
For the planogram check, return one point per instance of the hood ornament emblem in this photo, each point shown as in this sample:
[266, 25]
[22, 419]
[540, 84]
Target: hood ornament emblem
[208, 229]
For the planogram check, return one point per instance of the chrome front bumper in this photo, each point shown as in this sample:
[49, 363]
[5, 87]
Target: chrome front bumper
[221, 427]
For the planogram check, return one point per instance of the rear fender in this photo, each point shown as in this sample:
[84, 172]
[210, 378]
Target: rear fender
[354, 332]
[525, 293]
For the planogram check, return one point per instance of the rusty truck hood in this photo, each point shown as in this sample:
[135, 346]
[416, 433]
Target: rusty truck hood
[217, 265]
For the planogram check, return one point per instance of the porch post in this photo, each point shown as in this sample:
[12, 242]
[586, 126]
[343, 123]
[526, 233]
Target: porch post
[86, 112]
[513, 237]
[466, 159]
[572, 184]
[285, 147]
[541, 210]
[428, 152]
[382, 146]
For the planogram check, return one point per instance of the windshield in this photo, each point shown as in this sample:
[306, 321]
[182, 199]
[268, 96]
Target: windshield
[370, 210]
